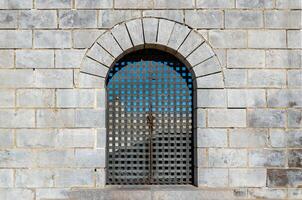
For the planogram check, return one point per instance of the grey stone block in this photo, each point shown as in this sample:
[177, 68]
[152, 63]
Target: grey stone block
[266, 78]
[266, 118]
[245, 58]
[31, 178]
[294, 78]
[192, 41]
[7, 98]
[243, 19]
[56, 78]
[282, 19]
[75, 138]
[15, 39]
[246, 98]
[16, 78]
[248, 138]
[235, 77]
[267, 39]
[72, 98]
[200, 54]
[228, 38]
[254, 4]
[294, 158]
[47, 118]
[6, 138]
[101, 138]
[17, 158]
[138, 4]
[210, 81]
[6, 59]
[69, 58]
[8, 19]
[108, 42]
[212, 177]
[178, 35]
[109, 18]
[294, 193]
[150, 26]
[175, 15]
[99, 54]
[204, 18]
[135, 29]
[283, 59]
[85, 38]
[165, 29]
[227, 157]
[6, 178]
[94, 4]
[294, 38]
[173, 4]
[52, 39]
[35, 138]
[74, 178]
[16, 4]
[247, 177]
[267, 193]
[284, 98]
[215, 4]
[282, 138]
[77, 19]
[207, 67]
[34, 19]
[208, 98]
[55, 159]
[35, 98]
[288, 4]
[90, 118]
[46, 4]
[93, 158]
[17, 118]
[93, 67]
[267, 158]
[294, 118]
[51, 193]
[120, 33]
[212, 137]
[16, 193]
[226, 118]
[34, 59]
[284, 177]
[89, 81]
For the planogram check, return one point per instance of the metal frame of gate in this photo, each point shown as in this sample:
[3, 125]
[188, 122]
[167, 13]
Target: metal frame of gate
[149, 120]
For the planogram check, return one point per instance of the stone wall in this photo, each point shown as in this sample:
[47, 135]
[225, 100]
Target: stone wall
[52, 100]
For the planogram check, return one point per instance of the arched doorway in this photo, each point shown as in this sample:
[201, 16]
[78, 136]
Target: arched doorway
[149, 120]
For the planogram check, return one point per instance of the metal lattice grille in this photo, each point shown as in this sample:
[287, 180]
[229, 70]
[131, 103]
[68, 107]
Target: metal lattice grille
[149, 122]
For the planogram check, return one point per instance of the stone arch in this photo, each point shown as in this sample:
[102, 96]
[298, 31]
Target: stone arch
[158, 33]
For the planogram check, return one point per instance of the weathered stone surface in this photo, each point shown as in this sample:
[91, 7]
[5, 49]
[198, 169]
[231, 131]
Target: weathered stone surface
[245, 138]
[228, 39]
[136, 31]
[16, 4]
[55, 118]
[289, 4]
[150, 26]
[6, 178]
[192, 41]
[90, 118]
[51, 193]
[93, 67]
[17, 118]
[85, 38]
[94, 4]
[235, 77]
[35, 98]
[6, 59]
[295, 158]
[200, 54]
[246, 98]
[247, 177]
[6, 138]
[53, 4]
[178, 35]
[294, 38]
[176, 15]
[8, 19]
[20, 78]
[282, 138]
[266, 78]
[108, 18]
[284, 98]
[266, 118]
[173, 4]
[56, 78]
[15, 39]
[120, 33]
[35, 59]
[267, 39]
[16, 158]
[121, 4]
[101, 138]
[254, 4]
[294, 118]
[31, 178]
[282, 19]
[202, 157]
[94, 158]
[55, 158]
[243, 19]
[87, 81]
[210, 81]
[207, 67]
[34, 19]
[165, 29]
[75, 98]
[294, 193]
[52, 39]
[245, 58]
[35, 138]
[99, 54]
[212, 137]
[284, 177]
[227, 158]
[294, 78]
[108, 42]
[73, 178]
[215, 3]
[204, 18]
[211, 98]
[78, 19]
[283, 59]
[267, 193]
[226, 118]
[69, 58]
[266, 158]
[7, 98]
[16, 193]
[211, 177]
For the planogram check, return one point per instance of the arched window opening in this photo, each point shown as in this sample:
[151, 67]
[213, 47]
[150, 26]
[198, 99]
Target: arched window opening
[149, 120]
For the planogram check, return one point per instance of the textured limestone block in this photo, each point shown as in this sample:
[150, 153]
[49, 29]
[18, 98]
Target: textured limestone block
[16, 4]
[294, 78]
[69, 58]
[6, 178]
[294, 193]
[99, 54]
[284, 177]
[294, 158]
[266, 158]
[200, 54]
[85, 38]
[100, 177]
[247, 177]
[31, 178]
[72, 138]
[34, 59]
[266, 118]
[192, 41]
[101, 98]
[101, 138]
[52, 39]
[215, 4]
[16, 78]
[211, 98]
[267, 193]
[90, 66]
[6, 138]
[8, 19]
[16, 158]
[150, 26]
[15, 38]
[294, 118]
[210, 81]
[204, 18]
[294, 38]
[56, 78]
[17, 118]
[254, 138]
[175, 15]
[7, 98]
[120, 33]
[178, 35]
[90, 118]
[282, 19]
[136, 31]
[228, 39]
[46, 4]
[6, 59]
[73, 178]
[34, 19]
[282, 138]
[70, 98]
[226, 118]
[266, 78]
[207, 67]
[35, 98]
[35, 138]
[165, 29]
[94, 4]
[289, 4]
[55, 158]
[283, 59]
[211, 177]
[267, 39]
[254, 4]
[243, 19]
[55, 118]
[52, 193]
[108, 18]
[246, 98]
[245, 58]
[90, 158]
[235, 77]
[15, 193]
[202, 160]
[143, 4]
[284, 98]
[88, 81]
[78, 19]
[227, 157]
[212, 137]
[173, 4]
